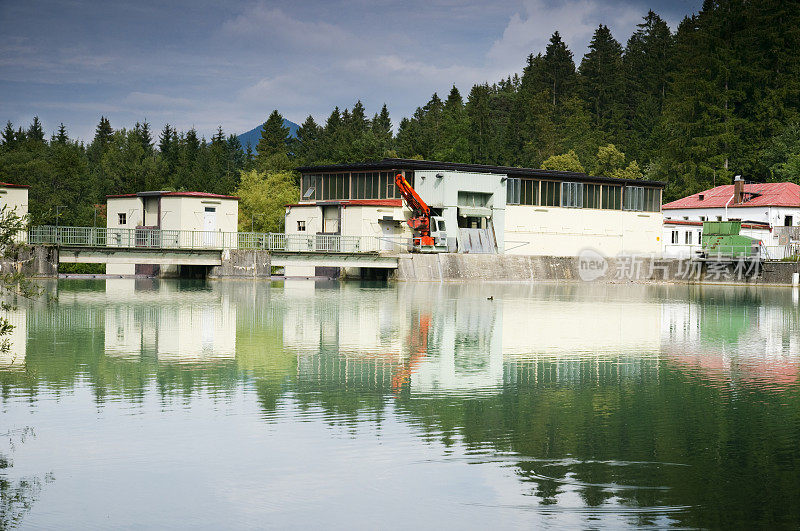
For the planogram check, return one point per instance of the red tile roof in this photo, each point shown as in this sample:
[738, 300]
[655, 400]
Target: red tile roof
[9, 185]
[756, 195]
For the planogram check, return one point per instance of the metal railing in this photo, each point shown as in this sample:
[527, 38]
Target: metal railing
[141, 238]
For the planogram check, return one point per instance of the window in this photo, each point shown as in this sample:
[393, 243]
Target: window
[301, 226]
[652, 200]
[612, 197]
[530, 192]
[702, 218]
[122, 218]
[688, 237]
[787, 221]
[674, 236]
[591, 196]
[719, 218]
[634, 198]
[513, 191]
[572, 195]
[551, 193]
[441, 226]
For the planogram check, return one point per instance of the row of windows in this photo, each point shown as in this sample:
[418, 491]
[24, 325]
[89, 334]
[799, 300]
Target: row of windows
[356, 185]
[687, 237]
[582, 195]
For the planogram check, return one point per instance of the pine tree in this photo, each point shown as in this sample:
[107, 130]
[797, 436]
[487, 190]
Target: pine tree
[382, 130]
[453, 146]
[274, 137]
[35, 131]
[559, 69]
[61, 136]
[602, 78]
[9, 137]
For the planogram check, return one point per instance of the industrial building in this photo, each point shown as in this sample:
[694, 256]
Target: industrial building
[769, 212]
[209, 215]
[485, 209]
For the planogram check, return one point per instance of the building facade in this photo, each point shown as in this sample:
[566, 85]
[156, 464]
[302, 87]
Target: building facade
[209, 215]
[769, 212]
[517, 210]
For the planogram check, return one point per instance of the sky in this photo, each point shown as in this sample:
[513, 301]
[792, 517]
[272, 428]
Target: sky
[209, 63]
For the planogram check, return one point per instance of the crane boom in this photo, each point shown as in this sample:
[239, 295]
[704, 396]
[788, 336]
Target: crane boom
[420, 219]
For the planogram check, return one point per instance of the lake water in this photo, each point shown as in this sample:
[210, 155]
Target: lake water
[146, 403]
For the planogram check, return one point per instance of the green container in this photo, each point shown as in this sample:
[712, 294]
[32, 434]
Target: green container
[722, 228]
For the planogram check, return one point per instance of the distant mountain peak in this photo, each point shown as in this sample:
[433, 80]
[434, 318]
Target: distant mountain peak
[254, 135]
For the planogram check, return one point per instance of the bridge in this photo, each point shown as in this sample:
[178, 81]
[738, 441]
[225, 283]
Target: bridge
[183, 247]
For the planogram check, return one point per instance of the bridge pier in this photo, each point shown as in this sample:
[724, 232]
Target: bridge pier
[243, 263]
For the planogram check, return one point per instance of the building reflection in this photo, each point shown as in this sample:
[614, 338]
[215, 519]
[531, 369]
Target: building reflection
[14, 356]
[749, 337]
[475, 337]
[179, 327]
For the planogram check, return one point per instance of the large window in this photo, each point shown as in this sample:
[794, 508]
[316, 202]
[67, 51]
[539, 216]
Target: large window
[612, 197]
[652, 200]
[572, 195]
[356, 185]
[551, 193]
[530, 192]
[591, 196]
[634, 198]
[513, 188]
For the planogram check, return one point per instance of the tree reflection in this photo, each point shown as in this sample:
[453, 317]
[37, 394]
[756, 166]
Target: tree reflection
[17, 495]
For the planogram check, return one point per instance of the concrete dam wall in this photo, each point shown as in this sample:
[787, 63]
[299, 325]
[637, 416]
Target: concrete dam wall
[517, 268]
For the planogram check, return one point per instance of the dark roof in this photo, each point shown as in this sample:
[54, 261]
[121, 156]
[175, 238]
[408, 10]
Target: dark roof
[414, 164]
[175, 194]
[9, 185]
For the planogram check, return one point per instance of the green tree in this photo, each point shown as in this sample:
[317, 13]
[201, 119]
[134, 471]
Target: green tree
[602, 78]
[565, 162]
[273, 143]
[262, 199]
[559, 69]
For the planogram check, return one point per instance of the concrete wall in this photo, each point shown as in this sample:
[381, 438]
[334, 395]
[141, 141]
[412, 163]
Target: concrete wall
[518, 268]
[36, 261]
[188, 213]
[556, 231]
[130, 206]
[238, 263]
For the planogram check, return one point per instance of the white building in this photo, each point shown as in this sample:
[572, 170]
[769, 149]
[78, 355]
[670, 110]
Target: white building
[769, 212]
[210, 215]
[517, 210]
[14, 198]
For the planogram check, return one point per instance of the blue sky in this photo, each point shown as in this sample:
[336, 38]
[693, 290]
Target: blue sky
[206, 63]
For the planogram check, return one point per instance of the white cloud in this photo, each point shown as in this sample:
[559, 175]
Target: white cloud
[575, 20]
[260, 23]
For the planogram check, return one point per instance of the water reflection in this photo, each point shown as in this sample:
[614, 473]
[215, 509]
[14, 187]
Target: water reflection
[606, 405]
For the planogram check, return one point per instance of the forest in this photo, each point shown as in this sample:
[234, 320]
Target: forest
[718, 97]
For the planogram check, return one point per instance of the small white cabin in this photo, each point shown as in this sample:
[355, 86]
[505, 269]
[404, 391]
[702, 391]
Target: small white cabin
[186, 211]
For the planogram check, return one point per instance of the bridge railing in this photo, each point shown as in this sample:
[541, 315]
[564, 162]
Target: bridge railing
[142, 238]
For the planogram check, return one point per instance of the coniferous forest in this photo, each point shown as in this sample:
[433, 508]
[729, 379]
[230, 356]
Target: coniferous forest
[718, 97]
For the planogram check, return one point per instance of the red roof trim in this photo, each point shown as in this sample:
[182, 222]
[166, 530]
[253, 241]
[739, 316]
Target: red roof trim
[352, 202]
[10, 185]
[700, 224]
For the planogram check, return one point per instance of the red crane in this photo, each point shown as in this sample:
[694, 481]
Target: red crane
[420, 219]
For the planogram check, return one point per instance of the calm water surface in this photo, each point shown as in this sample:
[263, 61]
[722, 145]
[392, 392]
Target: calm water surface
[235, 404]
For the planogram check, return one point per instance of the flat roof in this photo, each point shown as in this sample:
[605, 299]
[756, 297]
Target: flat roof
[10, 185]
[414, 164]
[174, 194]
